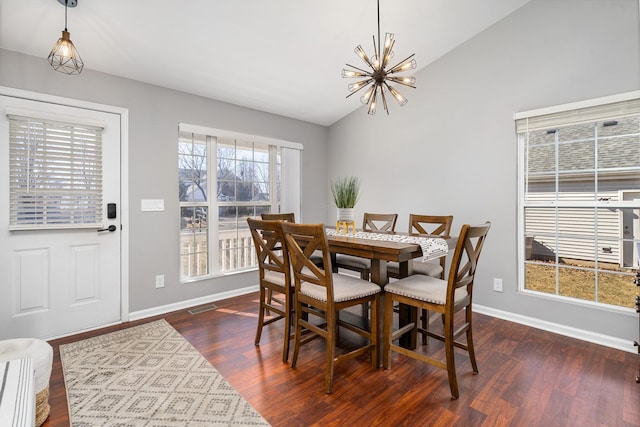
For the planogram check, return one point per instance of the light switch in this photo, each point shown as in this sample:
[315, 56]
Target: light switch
[152, 205]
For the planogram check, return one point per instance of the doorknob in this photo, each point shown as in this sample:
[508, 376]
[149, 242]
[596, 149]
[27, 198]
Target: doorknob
[110, 228]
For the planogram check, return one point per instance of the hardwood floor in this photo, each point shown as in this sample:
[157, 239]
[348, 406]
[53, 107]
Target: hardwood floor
[527, 377]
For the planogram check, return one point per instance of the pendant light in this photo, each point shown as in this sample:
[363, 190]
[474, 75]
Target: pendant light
[64, 56]
[379, 78]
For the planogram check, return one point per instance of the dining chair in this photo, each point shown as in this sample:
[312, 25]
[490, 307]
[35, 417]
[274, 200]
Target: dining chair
[288, 216]
[447, 297]
[429, 225]
[274, 277]
[432, 225]
[377, 223]
[322, 293]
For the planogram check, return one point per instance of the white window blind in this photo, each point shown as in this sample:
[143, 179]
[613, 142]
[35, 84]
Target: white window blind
[55, 173]
[526, 122]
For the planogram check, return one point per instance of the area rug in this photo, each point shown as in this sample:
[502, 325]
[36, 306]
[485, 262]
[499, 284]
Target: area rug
[148, 375]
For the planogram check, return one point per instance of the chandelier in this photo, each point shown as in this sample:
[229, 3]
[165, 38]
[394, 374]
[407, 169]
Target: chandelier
[64, 57]
[380, 76]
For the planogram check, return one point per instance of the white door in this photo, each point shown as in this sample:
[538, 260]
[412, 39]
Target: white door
[55, 282]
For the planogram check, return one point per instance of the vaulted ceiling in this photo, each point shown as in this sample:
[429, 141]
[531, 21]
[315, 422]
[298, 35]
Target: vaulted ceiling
[278, 56]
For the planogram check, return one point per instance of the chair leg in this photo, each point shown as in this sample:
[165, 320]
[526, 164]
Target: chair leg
[373, 328]
[470, 349]
[425, 325]
[388, 331]
[450, 356]
[287, 329]
[365, 310]
[269, 299]
[331, 348]
[260, 316]
[298, 334]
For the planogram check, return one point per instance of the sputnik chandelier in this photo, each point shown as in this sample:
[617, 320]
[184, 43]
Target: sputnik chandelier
[380, 76]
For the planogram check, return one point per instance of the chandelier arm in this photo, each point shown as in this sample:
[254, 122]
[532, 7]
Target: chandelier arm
[375, 49]
[384, 100]
[385, 60]
[360, 88]
[360, 69]
[393, 69]
[399, 81]
[373, 99]
[365, 58]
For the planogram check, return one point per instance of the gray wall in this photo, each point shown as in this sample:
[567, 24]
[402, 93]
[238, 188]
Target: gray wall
[154, 114]
[452, 148]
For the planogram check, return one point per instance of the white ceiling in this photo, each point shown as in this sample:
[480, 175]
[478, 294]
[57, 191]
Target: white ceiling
[279, 56]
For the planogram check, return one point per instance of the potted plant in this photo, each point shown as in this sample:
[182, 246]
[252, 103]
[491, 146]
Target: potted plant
[346, 192]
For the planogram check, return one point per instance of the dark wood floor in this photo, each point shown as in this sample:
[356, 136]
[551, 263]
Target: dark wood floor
[527, 377]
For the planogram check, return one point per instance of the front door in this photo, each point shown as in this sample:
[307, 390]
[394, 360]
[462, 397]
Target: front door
[60, 279]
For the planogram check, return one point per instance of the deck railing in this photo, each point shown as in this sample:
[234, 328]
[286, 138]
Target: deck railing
[235, 252]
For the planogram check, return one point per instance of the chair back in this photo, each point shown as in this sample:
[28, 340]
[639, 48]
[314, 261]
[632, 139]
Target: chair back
[430, 224]
[268, 241]
[289, 217]
[379, 222]
[465, 261]
[301, 241]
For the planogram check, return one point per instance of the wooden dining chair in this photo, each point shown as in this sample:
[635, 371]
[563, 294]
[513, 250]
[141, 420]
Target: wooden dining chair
[288, 216]
[322, 293]
[377, 223]
[431, 225]
[275, 278]
[447, 297]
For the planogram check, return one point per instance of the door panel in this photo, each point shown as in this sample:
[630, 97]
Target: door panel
[59, 281]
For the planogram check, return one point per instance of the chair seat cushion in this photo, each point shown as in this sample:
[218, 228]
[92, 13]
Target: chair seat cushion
[345, 288]
[274, 277]
[424, 288]
[429, 268]
[351, 261]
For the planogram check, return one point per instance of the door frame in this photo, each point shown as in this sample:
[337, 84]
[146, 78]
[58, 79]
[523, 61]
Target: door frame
[124, 178]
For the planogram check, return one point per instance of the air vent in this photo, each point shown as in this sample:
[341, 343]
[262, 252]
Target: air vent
[202, 309]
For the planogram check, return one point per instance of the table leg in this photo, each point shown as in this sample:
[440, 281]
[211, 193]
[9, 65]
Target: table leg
[380, 278]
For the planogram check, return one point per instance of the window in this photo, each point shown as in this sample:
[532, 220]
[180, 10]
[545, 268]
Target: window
[579, 200]
[253, 175]
[55, 171]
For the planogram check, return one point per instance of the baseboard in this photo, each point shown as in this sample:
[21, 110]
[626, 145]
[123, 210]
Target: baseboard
[568, 331]
[181, 305]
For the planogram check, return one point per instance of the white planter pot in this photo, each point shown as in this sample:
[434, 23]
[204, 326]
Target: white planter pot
[346, 214]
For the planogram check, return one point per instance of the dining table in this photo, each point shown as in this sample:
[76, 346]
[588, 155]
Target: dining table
[380, 251]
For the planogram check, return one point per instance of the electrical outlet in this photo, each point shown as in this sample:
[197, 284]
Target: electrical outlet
[497, 284]
[160, 281]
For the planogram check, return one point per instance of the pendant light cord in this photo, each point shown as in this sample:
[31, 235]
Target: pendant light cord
[66, 2]
[379, 40]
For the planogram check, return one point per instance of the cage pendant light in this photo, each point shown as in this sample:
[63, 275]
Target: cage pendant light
[379, 79]
[64, 56]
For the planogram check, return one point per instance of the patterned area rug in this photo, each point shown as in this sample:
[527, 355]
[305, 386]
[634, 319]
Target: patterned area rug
[148, 375]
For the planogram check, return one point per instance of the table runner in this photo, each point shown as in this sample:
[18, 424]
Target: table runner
[432, 247]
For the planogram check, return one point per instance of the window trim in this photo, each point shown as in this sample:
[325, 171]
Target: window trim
[634, 98]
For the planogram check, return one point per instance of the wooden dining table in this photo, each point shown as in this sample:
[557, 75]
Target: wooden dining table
[380, 252]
